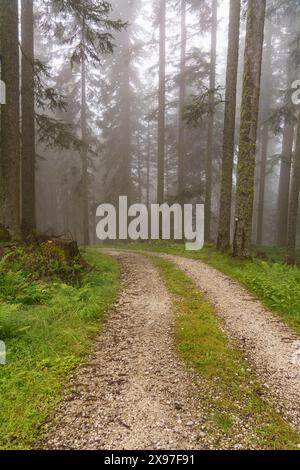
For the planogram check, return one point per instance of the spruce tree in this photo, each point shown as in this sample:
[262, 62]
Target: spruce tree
[229, 126]
[248, 131]
[10, 119]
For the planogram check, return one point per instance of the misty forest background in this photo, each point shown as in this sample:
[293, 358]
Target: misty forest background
[177, 101]
[141, 98]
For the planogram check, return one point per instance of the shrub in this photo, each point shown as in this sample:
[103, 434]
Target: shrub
[15, 288]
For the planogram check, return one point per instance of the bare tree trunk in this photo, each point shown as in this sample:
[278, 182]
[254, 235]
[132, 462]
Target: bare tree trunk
[285, 182]
[256, 180]
[211, 122]
[28, 219]
[148, 165]
[161, 104]
[262, 183]
[294, 203]
[126, 120]
[182, 90]
[248, 131]
[289, 133]
[10, 118]
[265, 134]
[139, 169]
[84, 153]
[229, 125]
[167, 171]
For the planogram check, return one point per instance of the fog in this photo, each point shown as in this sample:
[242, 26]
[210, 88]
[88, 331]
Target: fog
[117, 111]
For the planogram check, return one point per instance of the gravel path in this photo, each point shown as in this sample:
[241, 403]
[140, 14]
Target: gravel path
[271, 346]
[134, 393]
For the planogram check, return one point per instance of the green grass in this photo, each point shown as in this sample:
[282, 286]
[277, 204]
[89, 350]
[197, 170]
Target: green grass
[233, 391]
[275, 254]
[45, 342]
[274, 283]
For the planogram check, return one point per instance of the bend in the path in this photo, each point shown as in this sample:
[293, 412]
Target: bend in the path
[269, 344]
[134, 393]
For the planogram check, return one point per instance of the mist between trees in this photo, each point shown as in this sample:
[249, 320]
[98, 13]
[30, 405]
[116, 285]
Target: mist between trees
[178, 101]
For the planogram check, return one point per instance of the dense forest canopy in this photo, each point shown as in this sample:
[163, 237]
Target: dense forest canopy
[162, 101]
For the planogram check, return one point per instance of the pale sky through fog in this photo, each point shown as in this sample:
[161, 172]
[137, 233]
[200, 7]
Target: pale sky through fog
[223, 17]
[173, 28]
[223, 27]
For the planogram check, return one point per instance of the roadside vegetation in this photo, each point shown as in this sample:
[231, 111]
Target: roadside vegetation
[235, 400]
[50, 309]
[265, 275]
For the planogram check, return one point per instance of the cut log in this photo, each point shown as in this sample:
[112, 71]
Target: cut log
[4, 234]
[69, 247]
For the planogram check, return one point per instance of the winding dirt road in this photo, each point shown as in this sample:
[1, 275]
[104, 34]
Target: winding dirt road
[272, 347]
[134, 392]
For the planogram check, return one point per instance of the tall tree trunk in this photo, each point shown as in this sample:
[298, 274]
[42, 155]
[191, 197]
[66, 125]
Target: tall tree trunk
[211, 122]
[161, 104]
[139, 168]
[262, 184]
[285, 181]
[287, 141]
[229, 125]
[294, 203]
[28, 219]
[248, 131]
[126, 119]
[84, 153]
[256, 179]
[265, 134]
[148, 165]
[167, 171]
[182, 91]
[10, 118]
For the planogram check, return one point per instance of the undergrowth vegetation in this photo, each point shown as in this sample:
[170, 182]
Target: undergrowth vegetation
[50, 308]
[36, 263]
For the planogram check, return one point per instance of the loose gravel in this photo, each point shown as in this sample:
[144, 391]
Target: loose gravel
[272, 347]
[134, 393]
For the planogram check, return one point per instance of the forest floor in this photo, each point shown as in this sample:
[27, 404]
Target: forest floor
[176, 369]
[48, 317]
[125, 396]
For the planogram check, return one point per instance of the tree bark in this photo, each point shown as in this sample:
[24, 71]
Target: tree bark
[84, 152]
[229, 125]
[285, 176]
[294, 204]
[289, 132]
[148, 165]
[10, 119]
[265, 135]
[28, 218]
[161, 105]
[182, 91]
[211, 122]
[248, 131]
[140, 184]
[126, 119]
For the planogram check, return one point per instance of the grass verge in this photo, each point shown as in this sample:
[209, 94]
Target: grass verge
[234, 397]
[274, 283]
[44, 343]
